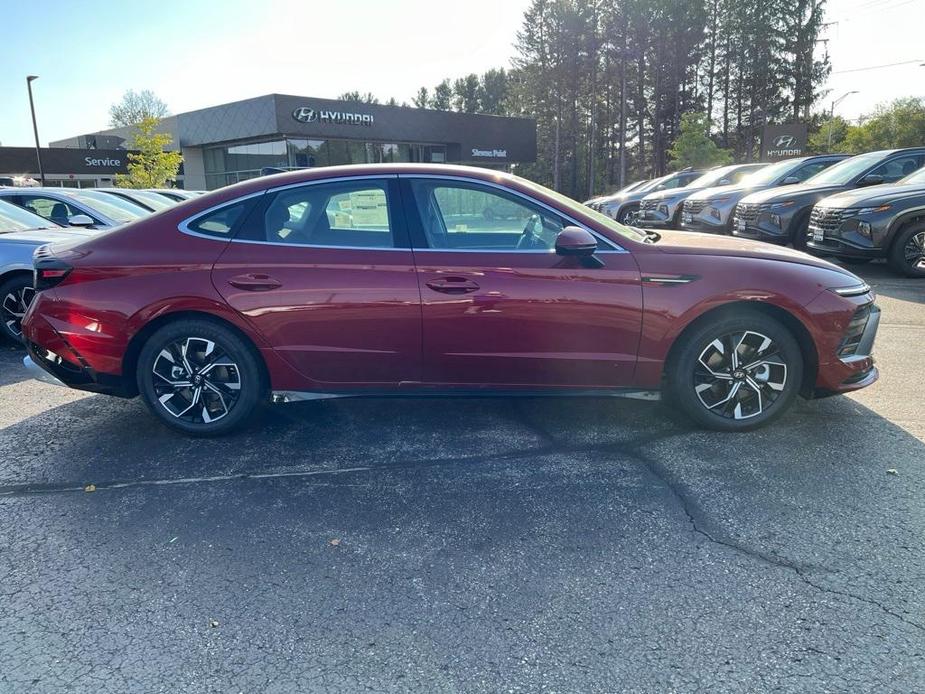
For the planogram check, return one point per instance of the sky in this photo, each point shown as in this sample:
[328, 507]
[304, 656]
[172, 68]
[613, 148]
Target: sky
[198, 53]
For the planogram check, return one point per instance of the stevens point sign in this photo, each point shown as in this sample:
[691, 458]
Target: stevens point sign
[783, 141]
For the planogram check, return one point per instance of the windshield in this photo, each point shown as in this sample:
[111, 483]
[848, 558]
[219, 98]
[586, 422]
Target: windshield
[917, 178]
[573, 206]
[158, 202]
[712, 178]
[13, 218]
[844, 171]
[115, 208]
[772, 172]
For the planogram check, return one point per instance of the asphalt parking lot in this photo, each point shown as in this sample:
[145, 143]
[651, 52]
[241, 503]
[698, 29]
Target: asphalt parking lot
[469, 545]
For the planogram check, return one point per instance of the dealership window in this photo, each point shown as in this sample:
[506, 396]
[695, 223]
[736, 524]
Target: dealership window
[469, 216]
[351, 214]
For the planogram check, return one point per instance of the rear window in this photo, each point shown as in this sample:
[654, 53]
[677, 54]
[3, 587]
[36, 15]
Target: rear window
[219, 222]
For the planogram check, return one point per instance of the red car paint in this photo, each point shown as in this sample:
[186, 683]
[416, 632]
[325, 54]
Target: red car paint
[354, 320]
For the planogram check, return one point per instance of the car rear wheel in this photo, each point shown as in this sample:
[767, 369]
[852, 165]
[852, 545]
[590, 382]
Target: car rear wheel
[907, 254]
[736, 372]
[199, 377]
[15, 296]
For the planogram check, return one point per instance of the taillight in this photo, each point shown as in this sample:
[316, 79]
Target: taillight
[49, 272]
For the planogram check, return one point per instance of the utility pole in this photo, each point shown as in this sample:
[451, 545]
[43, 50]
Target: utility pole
[35, 128]
[828, 146]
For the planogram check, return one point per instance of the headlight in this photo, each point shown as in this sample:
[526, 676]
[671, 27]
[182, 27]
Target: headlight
[853, 290]
[663, 209]
[872, 210]
[782, 205]
[715, 213]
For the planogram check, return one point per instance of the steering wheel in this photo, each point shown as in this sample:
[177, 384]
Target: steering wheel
[529, 240]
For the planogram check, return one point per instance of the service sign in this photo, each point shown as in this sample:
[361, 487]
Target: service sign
[783, 141]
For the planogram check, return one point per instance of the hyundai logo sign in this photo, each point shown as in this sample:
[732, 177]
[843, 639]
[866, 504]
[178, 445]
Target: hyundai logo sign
[784, 142]
[307, 114]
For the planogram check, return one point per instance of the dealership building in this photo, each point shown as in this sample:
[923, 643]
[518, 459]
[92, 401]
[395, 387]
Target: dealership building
[233, 142]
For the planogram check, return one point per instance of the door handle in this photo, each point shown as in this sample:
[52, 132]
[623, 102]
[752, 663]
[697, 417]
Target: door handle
[255, 282]
[453, 285]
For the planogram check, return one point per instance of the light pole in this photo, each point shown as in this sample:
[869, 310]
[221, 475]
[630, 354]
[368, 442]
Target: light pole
[828, 147]
[35, 128]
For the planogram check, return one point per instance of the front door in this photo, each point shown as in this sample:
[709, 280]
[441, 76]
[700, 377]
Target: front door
[501, 308]
[325, 272]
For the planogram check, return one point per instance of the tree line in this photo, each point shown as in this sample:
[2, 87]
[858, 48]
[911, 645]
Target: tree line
[609, 81]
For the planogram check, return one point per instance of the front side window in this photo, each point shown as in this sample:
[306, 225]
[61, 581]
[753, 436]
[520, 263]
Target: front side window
[898, 168]
[473, 217]
[56, 210]
[350, 214]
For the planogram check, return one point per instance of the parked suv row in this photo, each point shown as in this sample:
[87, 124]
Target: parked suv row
[782, 215]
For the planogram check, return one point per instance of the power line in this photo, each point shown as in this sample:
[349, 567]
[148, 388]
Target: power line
[876, 67]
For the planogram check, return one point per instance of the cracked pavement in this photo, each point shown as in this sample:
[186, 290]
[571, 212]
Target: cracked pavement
[468, 545]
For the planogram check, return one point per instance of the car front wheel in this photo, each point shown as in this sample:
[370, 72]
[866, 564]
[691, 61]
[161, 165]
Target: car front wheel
[907, 254]
[736, 372]
[199, 377]
[15, 296]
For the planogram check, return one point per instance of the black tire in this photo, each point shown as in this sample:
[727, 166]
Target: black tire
[801, 229]
[15, 296]
[777, 381]
[910, 238]
[228, 390]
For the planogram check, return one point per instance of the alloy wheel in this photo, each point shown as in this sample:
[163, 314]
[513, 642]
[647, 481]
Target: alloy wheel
[740, 375]
[914, 251]
[630, 217]
[195, 380]
[13, 309]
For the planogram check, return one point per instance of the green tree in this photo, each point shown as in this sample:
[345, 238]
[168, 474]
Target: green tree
[467, 94]
[150, 166]
[422, 98]
[135, 107]
[900, 123]
[693, 147]
[367, 98]
[830, 137]
[443, 93]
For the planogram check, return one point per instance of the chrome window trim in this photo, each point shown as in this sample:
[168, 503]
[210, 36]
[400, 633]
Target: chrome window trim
[183, 226]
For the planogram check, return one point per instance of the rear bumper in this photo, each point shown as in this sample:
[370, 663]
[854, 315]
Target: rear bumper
[56, 361]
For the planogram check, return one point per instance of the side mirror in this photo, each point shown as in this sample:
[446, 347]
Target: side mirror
[578, 243]
[789, 181]
[871, 180]
[575, 241]
[81, 220]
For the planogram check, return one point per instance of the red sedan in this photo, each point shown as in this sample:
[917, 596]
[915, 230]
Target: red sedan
[425, 280]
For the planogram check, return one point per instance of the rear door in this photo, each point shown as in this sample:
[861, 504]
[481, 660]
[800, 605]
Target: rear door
[325, 272]
[500, 308]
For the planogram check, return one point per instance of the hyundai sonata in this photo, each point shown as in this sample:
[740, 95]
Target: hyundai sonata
[392, 280]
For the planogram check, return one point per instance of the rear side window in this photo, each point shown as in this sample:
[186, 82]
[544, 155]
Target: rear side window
[220, 222]
[49, 208]
[342, 214]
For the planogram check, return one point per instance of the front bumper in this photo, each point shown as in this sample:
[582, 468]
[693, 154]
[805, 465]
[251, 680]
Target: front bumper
[850, 373]
[40, 374]
[846, 240]
[657, 219]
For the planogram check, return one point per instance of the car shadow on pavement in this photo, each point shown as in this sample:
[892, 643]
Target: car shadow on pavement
[11, 368]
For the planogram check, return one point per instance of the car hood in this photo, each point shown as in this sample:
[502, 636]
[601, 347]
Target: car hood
[692, 243]
[672, 193]
[875, 195]
[37, 237]
[719, 191]
[793, 192]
